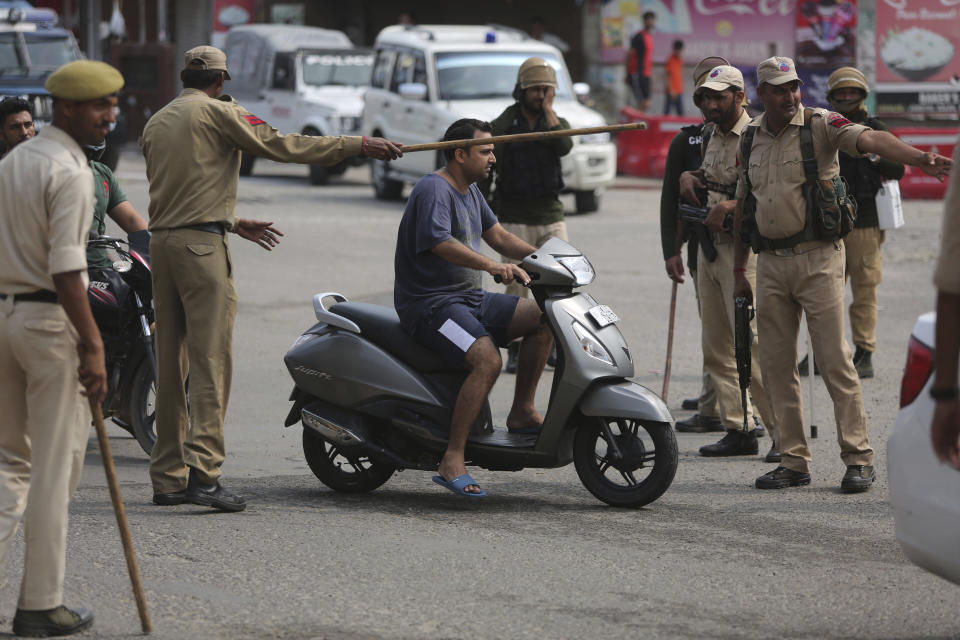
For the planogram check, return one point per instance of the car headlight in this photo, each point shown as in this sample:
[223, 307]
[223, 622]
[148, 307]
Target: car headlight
[349, 123]
[590, 345]
[579, 267]
[595, 138]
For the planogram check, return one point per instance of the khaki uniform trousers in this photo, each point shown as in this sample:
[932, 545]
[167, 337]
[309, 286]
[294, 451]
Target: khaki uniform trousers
[535, 234]
[718, 339]
[46, 423]
[707, 401]
[864, 269]
[195, 303]
[809, 281]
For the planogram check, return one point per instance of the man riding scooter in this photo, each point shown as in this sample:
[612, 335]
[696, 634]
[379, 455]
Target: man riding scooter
[438, 297]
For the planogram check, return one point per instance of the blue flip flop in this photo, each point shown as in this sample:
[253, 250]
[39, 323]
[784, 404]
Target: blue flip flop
[459, 484]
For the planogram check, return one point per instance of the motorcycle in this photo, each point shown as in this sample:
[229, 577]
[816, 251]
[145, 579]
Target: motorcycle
[121, 302]
[372, 401]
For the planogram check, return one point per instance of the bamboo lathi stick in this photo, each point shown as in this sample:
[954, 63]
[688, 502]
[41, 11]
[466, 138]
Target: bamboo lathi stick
[524, 137]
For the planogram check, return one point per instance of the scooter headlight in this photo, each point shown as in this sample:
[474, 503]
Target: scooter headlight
[579, 267]
[590, 345]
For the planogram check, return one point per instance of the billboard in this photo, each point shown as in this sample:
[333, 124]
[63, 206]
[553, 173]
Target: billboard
[826, 33]
[742, 32]
[918, 56]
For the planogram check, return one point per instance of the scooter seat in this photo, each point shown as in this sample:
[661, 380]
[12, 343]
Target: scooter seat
[381, 325]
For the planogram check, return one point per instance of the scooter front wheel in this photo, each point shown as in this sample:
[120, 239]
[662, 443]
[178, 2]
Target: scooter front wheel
[341, 470]
[142, 407]
[625, 462]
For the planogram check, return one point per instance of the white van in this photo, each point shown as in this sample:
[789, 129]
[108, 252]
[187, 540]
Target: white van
[300, 80]
[426, 77]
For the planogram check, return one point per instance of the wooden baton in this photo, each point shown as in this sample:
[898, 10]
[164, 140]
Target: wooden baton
[132, 568]
[523, 137]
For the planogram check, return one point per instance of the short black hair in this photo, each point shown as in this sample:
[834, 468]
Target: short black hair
[649, 14]
[678, 44]
[10, 106]
[462, 129]
[199, 78]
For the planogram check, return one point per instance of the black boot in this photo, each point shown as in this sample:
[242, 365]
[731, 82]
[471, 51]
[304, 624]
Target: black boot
[212, 495]
[513, 350]
[774, 454]
[804, 367]
[699, 424]
[735, 443]
[690, 404]
[862, 360]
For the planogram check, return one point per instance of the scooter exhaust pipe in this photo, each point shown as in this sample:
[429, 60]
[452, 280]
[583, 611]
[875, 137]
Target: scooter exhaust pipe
[330, 431]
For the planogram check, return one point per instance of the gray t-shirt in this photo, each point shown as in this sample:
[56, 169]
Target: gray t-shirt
[435, 213]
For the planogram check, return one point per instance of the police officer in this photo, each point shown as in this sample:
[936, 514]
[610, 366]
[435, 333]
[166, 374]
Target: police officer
[192, 148]
[46, 202]
[721, 98]
[794, 211]
[847, 92]
[528, 175]
[684, 154]
[945, 430]
[16, 123]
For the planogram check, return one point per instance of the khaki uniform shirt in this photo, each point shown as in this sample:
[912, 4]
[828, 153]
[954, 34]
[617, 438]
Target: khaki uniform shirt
[776, 167]
[720, 159]
[46, 207]
[192, 147]
[947, 276]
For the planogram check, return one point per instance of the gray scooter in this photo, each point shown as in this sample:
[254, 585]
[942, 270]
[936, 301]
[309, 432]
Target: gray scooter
[373, 401]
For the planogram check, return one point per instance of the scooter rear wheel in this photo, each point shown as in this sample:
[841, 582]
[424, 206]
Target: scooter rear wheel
[142, 407]
[341, 471]
[642, 473]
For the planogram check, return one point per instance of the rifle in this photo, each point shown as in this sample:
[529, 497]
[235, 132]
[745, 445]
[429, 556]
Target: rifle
[694, 218]
[743, 341]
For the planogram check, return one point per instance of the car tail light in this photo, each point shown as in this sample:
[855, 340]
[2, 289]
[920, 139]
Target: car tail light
[917, 372]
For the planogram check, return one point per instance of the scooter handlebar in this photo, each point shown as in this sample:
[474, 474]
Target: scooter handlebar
[499, 280]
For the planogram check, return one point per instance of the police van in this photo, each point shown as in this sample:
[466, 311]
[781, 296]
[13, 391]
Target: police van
[426, 77]
[300, 80]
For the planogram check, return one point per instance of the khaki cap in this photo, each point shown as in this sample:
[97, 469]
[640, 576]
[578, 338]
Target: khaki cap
[84, 80]
[206, 58]
[535, 72]
[777, 70]
[705, 66]
[723, 77]
[847, 77]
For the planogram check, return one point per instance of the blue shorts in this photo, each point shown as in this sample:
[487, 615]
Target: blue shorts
[453, 328]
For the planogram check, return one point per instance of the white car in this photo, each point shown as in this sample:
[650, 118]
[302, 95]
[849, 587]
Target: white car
[426, 77]
[925, 494]
[300, 80]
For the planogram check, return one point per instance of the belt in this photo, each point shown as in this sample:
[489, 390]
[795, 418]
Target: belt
[799, 248]
[209, 227]
[34, 296]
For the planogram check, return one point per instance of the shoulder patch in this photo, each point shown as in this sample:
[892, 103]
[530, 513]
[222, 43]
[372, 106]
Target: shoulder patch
[837, 120]
[253, 120]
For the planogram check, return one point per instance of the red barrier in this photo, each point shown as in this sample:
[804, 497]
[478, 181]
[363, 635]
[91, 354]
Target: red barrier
[915, 183]
[644, 153]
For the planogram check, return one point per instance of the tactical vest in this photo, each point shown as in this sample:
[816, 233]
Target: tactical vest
[864, 180]
[830, 212]
[533, 168]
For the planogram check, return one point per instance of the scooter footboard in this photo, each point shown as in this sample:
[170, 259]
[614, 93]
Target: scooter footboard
[624, 399]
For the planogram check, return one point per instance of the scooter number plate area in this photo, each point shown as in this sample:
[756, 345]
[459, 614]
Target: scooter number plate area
[603, 315]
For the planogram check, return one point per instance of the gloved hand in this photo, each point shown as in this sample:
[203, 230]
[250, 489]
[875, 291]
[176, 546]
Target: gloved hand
[140, 242]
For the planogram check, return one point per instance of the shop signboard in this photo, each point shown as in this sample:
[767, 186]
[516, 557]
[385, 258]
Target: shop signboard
[826, 33]
[918, 56]
[742, 32]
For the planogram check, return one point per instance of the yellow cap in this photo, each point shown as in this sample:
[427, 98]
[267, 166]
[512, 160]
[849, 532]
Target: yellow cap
[846, 77]
[777, 70]
[84, 80]
[204, 58]
[535, 72]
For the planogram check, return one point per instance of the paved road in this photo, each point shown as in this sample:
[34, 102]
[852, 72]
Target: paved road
[541, 558]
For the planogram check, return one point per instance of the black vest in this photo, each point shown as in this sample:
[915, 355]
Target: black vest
[532, 168]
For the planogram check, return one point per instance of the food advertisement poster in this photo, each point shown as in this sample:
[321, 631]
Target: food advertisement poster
[826, 33]
[742, 32]
[918, 56]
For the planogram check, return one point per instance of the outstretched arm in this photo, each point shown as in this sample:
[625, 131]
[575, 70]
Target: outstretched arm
[889, 146]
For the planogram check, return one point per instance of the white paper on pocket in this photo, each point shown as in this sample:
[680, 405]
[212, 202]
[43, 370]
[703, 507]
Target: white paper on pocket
[889, 206]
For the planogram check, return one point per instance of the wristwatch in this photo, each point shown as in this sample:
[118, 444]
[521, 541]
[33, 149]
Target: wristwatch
[944, 393]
